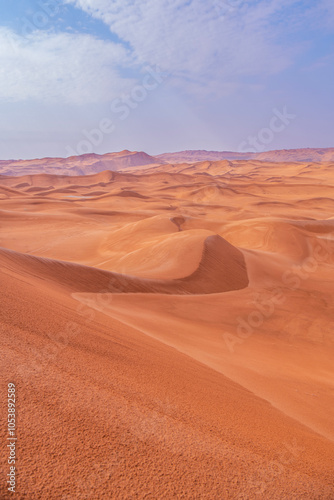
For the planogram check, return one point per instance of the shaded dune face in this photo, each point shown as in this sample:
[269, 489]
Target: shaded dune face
[221, 269]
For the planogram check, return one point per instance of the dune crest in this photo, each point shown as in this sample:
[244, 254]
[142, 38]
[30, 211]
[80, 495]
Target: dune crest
[222, 268]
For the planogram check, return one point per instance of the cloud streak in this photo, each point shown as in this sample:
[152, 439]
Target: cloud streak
[68, 68]
[198, 43]
[214, 47]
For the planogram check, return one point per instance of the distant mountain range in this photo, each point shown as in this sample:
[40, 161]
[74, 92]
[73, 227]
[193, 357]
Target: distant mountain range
[76, 165]
[93, 163]
[282, 155]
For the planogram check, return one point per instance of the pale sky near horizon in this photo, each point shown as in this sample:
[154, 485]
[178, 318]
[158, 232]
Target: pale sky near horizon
[80, 76]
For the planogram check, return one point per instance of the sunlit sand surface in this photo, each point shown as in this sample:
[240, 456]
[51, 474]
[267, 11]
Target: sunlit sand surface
[170, 330]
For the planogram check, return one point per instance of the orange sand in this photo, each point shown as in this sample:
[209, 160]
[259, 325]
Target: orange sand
[170, 331]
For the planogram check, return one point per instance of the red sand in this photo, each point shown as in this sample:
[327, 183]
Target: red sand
[170, 331]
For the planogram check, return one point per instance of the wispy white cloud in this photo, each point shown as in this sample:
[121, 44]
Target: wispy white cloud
[199, 42]
[63, 67]
[210, 45]
[214, 46]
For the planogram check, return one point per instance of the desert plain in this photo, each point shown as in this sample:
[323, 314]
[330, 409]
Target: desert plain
[169, 329]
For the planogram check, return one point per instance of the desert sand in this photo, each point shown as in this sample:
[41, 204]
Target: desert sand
[170, 330]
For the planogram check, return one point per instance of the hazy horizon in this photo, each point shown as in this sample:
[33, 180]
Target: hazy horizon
[162, 153]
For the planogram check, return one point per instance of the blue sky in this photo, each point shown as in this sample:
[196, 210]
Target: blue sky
[81, 76]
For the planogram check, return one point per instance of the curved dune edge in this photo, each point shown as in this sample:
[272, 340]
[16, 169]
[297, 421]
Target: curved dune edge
[293, 239]
[222, 268]
[169, 256]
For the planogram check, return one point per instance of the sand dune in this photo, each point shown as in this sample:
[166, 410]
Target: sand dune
[222, 268]
[170, 328]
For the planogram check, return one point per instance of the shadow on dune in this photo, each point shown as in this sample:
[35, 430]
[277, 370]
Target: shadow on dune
[222, 268]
